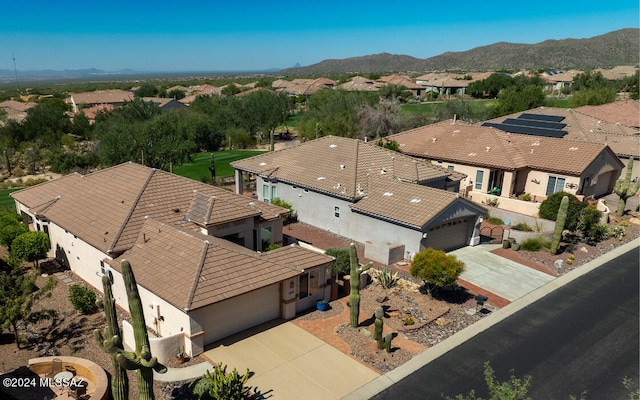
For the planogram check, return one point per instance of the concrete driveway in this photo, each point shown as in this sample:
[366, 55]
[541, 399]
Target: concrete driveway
[287, 362]
[505, 278]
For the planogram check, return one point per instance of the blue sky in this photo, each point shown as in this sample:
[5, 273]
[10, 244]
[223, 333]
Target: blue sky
[255, 35]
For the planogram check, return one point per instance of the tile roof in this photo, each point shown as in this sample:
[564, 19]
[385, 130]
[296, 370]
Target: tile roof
[339, 166]
[405, 203]
[473, 144]
[625, 112]
[101, 97]
[17, 105]
[191, 270]
[107, 208]
[623, 140]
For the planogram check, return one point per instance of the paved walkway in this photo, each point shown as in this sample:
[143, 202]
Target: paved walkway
[498, 275]
[287, 362]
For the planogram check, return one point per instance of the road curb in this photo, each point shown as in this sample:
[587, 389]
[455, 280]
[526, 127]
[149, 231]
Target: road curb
[384, 381]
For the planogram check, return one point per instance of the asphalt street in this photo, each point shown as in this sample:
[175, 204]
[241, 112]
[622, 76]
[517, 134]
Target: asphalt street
[582, 338]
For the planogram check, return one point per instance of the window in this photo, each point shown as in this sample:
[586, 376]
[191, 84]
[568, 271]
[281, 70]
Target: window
[336, 212]
[265, 193]
[554, 185]
[450, 167]
[308, 284]
[269, 192]
[479, 178]
[274, 192]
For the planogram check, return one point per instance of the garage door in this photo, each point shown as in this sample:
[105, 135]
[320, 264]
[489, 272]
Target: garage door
[449, 235]
[239, 313]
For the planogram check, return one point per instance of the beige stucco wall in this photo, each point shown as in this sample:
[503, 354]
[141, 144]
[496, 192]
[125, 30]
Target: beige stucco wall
[470, 171]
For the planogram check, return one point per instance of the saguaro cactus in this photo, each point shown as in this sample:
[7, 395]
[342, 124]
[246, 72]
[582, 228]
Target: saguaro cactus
[560, 221]
[387, 342]
[140, 360]
[624, 189]
[378, 324]
[354, 279]
[110, 341]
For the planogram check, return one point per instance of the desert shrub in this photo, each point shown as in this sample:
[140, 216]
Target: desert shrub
[436, 268]
[588, 218]
[281, 203]
[273, 246]
[617, 232]
[536, 244]
[549, 209]
[493, 220]
[385, 277]
[524, 197]
[219, 385]
[522, 226]
[341, 265]
[492, 202]
[83, 299]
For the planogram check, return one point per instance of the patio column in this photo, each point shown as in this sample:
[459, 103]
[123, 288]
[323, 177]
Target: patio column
[507, 184]
[239, 183]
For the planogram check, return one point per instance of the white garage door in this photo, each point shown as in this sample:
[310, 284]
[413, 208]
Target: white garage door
[449, 235]
[239, 313]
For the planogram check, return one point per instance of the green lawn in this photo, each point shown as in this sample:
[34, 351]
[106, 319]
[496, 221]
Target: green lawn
[199, 168]
[432, 109]
[6, 201]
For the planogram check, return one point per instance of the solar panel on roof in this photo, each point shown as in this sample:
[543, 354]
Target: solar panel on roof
[527, 130]
[542, 117]
[534, 122]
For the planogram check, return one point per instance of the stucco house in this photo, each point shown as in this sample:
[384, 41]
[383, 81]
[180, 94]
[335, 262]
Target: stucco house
[192, 248]
[114, 97]
[508, 164]
[610, 124]
[394, 204]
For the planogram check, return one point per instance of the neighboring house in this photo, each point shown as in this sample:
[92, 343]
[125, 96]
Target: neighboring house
[113, 97]
[191, 246]
[557, 80]
[507, 164]
[399, 80]
[303, 87]
[447, 86]
[92, 112]
[394, 204]
[359, 84]
[166, 103]
[16, 110]
[580, 126]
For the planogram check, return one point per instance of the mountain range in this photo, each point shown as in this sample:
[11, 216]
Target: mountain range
[608, 50]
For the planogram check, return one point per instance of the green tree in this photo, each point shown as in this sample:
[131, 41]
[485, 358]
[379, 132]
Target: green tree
[176, 94]
[147, 90]
[341, 264]
[592, 97]
[436, 268]
[512, 99]
[81, 125]
[550, 206]
[334, 112]
[489, 87]
[46, 122]
[394, 93]
[230, 90]
[166, 139]
[11, 227]
[18, 295]
[31, 246]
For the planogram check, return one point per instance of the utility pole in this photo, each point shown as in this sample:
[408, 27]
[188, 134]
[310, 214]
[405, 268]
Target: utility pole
[16, 72]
